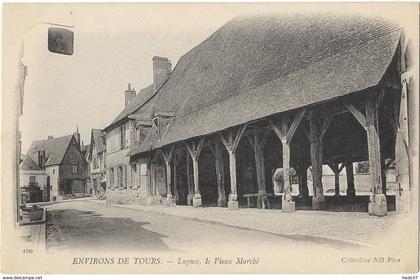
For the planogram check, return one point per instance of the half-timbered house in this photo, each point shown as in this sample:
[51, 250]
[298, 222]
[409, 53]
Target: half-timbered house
[63, 162]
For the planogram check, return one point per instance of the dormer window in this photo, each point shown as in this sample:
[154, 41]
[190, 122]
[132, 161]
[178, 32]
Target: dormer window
[161, 121]
[143, 128]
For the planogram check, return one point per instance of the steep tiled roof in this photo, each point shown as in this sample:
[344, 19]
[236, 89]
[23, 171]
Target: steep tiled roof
[29, 164]
[55, 148]
[257, 66]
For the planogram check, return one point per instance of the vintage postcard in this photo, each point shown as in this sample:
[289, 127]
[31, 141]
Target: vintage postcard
[210, 138]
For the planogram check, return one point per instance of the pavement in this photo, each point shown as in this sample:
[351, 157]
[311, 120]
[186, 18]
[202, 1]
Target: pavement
[340, 228]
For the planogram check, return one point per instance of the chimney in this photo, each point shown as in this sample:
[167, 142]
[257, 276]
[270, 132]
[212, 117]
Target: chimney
[129, 95]
[162, 67]
[39, 157]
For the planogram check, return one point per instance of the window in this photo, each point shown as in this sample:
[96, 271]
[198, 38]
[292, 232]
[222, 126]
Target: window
[119, 176]
[143, 175]
[31, 179]
[53, 170]
[122, 137]
[74, 169]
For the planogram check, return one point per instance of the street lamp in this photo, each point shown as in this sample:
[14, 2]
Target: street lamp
[60, 41]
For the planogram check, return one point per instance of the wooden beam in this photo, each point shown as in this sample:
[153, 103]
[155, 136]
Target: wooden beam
[325, 124]
[373, 144]
[341, 167]
[168, 155]
[318, 199]
[333, 166]
[190, 181]
[357, 114]
[225, 142]
[200, 146]
[189, 149]
[380, 98]
[251, 142]
[220, 176]
[239, 136]
[276, 129]
[212, 149]
[296, 121]
[389, 163]
[306, 133]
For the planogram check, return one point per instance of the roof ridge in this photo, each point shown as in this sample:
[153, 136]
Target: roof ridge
[55, 138]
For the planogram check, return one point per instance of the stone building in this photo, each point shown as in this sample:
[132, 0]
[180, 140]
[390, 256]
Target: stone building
[96, 157]
[34, 183]
[62, 160]
[128, 182]
[273, 92]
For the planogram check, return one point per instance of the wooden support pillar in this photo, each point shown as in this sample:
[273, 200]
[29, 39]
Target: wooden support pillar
[286, 133]
[220, 176]
[403, 145]
[336, 168]
[194, 150]
[168, 157]
[302, 172]
[150, 183]
[351, 191]
[383, 175]
[385, 166]
[318, 125]
[303, 179]
[175, 184]
[190, 182]
[369, 121]
[231, 143]
[153, 178]
[378, 200]
[257, 141]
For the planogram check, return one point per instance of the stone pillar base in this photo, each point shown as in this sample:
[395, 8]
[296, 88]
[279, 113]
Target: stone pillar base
[196, 202]
[221, 202]
[403, 201]
[170, 201]
[379, 205]
[288, 206]
[318, 203]
[233, 204]
[189, 199]
[149, 201]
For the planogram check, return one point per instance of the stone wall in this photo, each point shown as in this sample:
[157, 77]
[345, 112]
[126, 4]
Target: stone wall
[132, 196]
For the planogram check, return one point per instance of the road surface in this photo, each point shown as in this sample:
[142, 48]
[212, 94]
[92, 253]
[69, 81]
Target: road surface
[86, 225]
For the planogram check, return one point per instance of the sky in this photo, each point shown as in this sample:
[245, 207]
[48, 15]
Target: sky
[114, 45]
